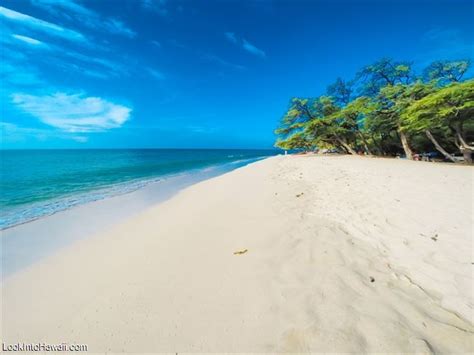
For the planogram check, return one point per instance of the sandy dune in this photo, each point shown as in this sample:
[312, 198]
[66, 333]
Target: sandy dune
[344, 254]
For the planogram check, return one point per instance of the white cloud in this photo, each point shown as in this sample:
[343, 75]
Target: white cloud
[30, 41]
[40, 25]
[64, 59]
[249, 47]
[84, 16]
[74, 113]
[244, 44]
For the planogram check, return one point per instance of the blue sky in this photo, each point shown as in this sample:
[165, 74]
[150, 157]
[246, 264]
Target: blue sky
[196, 74]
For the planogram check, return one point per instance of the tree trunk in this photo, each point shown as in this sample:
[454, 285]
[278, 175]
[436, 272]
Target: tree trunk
[341, 147]
[467, 154]
[438, 147]
[405, 145]
[465, 148]
[461, 139]
[346, 146]
[364, 143]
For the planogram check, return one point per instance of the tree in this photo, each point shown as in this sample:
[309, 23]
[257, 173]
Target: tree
[351, 121]
[445, 71]
[298, 140]
[299, 112]
[382, 73]
[328, 129]
[385, 110]
[341, 91]
[390, 103]
[452, 107]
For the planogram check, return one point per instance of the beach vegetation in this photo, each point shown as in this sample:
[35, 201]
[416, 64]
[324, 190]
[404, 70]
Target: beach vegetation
[388, 110]
[449, 109]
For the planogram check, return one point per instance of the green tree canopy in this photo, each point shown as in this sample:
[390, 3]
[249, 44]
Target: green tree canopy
[446, 71]
[384, 72]
[451, 106]
[341, 91]
[387, 110]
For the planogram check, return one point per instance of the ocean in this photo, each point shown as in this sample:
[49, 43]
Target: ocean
[37, 183]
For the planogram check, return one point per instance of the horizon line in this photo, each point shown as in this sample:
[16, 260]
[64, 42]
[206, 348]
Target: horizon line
[115, 148]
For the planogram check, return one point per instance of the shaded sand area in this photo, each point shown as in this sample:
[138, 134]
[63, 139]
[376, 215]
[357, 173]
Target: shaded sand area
[344, 254]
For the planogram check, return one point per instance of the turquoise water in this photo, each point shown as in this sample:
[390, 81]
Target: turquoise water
[35, 183]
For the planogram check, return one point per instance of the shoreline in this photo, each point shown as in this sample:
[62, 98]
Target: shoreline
[343, 254]
[128, 187]
[20, 245]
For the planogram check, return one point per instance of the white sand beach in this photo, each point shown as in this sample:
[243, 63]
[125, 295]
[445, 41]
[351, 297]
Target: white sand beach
[339, 254]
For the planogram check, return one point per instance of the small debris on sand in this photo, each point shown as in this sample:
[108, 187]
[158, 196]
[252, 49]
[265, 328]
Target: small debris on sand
[240, 252]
